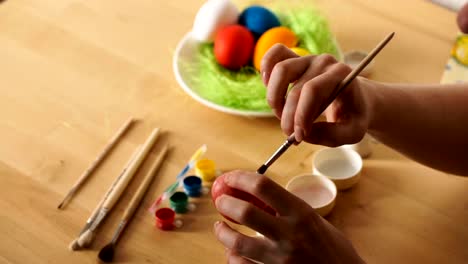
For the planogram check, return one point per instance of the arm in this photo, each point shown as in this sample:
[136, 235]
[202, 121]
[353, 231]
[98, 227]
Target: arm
[428, 123]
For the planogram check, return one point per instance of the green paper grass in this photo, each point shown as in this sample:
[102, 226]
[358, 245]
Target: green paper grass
[244, 89]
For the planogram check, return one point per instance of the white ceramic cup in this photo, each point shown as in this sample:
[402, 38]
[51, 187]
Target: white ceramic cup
[341, 165]
[363, 147]
[316, 190]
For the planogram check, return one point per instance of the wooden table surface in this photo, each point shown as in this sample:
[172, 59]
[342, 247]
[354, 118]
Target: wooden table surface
[72, 71]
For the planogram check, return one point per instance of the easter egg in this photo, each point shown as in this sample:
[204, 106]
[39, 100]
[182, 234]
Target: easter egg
[462, 19]
[211, 17]
[273, 36]
[300, 51]
[460, 50]
[258, 19]
[220, 187]
[234, 46]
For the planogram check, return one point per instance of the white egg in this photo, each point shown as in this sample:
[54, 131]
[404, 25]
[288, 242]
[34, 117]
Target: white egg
[212, 16]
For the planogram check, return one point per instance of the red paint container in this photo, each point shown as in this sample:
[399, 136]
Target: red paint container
[165, 218]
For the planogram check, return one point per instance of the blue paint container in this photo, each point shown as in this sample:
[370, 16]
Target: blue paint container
[193, 186]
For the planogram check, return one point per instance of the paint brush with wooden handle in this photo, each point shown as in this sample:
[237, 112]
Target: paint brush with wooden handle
[291, 139]
[87, 237]
[87, 173]
[107, 252]
[73, 245]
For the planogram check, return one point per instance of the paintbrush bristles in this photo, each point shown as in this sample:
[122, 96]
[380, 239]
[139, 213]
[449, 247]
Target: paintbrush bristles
[74, 245]
[85, 240]
[107, 253]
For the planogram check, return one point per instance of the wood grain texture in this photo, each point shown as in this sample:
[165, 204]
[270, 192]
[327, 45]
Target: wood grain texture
[74, 70]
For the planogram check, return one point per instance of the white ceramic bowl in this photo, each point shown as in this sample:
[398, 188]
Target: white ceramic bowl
[341, 165]
[316, 190]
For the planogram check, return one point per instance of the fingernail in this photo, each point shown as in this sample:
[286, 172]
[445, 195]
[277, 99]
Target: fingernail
[265, 78]
[218, 200]
[227, 179]
[298, 133]
[277, 113]
[216, 224]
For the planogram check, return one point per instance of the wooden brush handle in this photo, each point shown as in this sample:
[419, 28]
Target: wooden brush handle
[85, 175]
[137, 197]
[128, 175]
[104, 198]
[112, 142]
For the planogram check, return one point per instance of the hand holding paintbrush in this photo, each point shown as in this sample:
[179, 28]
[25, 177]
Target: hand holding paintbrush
[343, 84]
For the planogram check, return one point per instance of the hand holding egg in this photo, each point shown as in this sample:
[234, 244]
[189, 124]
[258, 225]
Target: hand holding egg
[221, 188]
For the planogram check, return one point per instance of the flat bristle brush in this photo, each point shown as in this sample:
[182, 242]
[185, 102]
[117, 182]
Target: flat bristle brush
[73, 245]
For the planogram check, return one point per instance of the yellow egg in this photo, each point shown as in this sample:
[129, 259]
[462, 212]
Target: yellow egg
[460, 50]
[300, 51]
[275, 35]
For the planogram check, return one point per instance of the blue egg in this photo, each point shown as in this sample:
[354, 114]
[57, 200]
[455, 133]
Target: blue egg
[258, 20]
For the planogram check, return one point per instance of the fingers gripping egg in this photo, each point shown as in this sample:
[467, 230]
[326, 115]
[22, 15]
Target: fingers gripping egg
[220, 187]
[273, 36]
[233, 47]
[212, 16]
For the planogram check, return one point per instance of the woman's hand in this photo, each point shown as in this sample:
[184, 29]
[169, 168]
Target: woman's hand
[314, 80]
[296, 235]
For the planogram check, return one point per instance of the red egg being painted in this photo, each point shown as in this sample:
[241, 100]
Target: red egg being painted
[233, 47]
[220, 187]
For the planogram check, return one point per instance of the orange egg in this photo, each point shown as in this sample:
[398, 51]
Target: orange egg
[275, 35]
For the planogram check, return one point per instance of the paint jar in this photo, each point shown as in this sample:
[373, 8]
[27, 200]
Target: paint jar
[206, 169]
[193, 186]
[341, 165]
[363, 147]
[165, 218]
[353, 58]
[179, 202]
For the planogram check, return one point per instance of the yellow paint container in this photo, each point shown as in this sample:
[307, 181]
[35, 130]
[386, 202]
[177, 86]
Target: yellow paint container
[206, 169]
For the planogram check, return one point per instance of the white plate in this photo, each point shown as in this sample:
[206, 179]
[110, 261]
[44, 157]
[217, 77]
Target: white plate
[185, 52]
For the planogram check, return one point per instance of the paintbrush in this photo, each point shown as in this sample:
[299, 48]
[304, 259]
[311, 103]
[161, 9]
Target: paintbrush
[343, 84]
[106, 254]
[87, 237]
[112, 142]
[74, 244]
